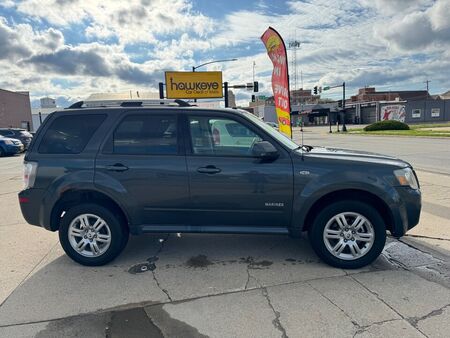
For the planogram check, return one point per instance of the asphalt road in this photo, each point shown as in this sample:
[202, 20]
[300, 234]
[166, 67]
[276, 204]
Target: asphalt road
[225, 285]
[430, 154]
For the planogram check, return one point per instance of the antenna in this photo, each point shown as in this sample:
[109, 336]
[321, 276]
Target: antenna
[293, 46]
[427, 83]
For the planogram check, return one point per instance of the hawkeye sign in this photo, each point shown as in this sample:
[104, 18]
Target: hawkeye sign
[193, 85]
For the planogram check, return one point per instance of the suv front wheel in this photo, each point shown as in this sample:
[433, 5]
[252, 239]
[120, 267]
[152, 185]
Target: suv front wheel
[90, 234]
[348, 234]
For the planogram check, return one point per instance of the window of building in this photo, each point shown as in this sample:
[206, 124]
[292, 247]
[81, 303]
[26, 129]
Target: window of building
[416, 113]
[435, 112]
[69, 134]
[221, 137]
[146, 135]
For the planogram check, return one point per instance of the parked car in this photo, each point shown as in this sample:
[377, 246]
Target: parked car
[98, 174]
[20, 134]
[9, 146]
[273, 125]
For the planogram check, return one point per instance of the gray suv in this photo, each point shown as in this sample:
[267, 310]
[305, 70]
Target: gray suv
[99, 171]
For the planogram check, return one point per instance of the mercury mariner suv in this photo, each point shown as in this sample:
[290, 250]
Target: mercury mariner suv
[99, 171]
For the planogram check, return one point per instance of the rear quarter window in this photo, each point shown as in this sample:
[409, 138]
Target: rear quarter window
[69, 134]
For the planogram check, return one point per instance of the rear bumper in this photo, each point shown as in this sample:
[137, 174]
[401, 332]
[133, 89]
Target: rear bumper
[26, 143]
[407, 212]
[31, 206]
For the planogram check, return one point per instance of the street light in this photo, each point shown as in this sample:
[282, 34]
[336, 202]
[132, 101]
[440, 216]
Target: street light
[207, 63]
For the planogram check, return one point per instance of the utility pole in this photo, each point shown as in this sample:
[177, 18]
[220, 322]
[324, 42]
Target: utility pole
[254, 64]
[344, 128]
[225, 88]
[426, 98]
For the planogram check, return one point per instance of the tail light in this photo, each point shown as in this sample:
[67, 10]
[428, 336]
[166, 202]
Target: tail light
[29, 174]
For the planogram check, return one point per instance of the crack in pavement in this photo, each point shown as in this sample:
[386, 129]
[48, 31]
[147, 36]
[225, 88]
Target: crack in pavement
[276, 322]
[160, 287]
[430, 253]
[254, 265]
[415, 320]
[250, 265]
[365, 328]
[333, 303]
[163, 241]
[382, 300]
[421, 236]
[150, 303]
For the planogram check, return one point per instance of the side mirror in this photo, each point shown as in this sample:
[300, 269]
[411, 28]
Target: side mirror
[265, 150]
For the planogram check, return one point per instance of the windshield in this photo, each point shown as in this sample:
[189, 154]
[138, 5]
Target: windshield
[274, 133]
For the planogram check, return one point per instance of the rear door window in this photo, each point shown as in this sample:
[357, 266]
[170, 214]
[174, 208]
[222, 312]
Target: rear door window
[146, 135]
[70, 134]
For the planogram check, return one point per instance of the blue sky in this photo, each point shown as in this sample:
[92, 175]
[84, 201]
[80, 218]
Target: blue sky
[70, 49]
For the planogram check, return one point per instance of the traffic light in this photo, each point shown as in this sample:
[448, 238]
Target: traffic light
[315, 90]
[340, 103]
[253, 98]
[255, 86]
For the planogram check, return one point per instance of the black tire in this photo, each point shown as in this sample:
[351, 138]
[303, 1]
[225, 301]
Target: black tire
[117, 227]
[316, 233]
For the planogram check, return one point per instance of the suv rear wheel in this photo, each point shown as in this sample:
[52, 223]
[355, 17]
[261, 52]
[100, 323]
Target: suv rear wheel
[92, 235]
[348, 234]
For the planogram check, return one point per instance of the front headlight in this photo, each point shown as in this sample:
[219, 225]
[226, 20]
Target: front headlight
[9, 142]
[406, 177]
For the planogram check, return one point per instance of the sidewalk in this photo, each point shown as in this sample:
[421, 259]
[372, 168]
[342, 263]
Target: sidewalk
[259, 296]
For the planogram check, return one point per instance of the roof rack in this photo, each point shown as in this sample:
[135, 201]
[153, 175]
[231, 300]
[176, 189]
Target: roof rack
[128, 103]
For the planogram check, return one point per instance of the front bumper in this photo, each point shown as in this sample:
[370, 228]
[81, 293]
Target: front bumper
[407, 212]
[14, 148]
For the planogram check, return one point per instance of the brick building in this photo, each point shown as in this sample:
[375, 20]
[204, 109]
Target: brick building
[369, 94]
[15, 109]
[299, 96]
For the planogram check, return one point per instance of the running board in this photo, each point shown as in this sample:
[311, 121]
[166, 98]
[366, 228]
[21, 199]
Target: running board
[213, 229]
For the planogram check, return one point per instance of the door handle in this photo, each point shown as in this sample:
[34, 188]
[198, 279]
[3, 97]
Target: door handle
[209, 169]
[117, 167]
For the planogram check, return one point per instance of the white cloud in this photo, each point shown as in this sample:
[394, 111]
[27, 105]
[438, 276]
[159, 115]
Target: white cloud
[390, 7]
[130, 21]
[417, 30]
[363, 43]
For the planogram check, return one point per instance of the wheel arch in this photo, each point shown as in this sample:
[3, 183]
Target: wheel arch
[350, 194]
[75, 197]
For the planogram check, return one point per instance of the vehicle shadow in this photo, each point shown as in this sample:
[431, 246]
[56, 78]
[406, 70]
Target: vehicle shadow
[160, 268]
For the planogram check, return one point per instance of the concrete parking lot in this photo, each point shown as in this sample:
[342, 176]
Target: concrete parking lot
[233, 285]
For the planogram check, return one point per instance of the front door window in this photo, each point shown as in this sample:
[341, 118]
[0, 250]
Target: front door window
[221, 137]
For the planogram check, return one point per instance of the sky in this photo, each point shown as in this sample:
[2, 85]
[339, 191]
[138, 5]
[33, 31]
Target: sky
[69, 49]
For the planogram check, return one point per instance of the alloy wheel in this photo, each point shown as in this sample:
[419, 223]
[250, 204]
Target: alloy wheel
[348, 235]
[89, 235]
